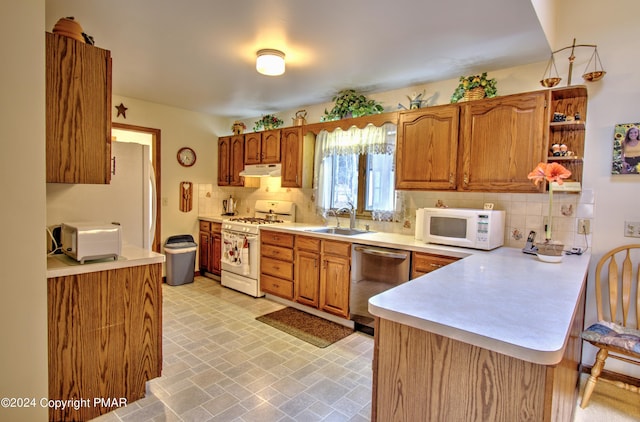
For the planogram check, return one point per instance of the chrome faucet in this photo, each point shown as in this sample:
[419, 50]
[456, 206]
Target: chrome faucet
[352, 215]
[335, 214]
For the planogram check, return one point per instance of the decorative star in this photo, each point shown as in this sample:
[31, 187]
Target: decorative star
[122, 110]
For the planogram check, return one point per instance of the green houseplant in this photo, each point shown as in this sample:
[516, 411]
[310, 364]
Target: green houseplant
[475, 82]
[268, 121]
[349, 103]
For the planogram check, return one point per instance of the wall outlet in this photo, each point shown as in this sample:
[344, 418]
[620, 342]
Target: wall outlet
[632, 228]
[584, 226]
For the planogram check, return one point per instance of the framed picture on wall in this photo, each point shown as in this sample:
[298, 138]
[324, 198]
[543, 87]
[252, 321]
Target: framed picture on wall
[626, 149]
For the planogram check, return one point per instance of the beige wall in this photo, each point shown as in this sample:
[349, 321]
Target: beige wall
[179, 128]
[23, 302]
[613, 27]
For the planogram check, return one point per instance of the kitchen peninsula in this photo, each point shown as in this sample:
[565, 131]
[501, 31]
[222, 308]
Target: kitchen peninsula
[105, 330]
[493, 336]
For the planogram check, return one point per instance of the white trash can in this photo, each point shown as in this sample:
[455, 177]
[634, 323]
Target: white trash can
[181, 259]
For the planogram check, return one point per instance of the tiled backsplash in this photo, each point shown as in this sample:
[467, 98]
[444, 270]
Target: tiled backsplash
[524, 212]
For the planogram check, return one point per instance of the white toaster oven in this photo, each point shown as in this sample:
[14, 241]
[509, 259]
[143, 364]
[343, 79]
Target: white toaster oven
[87, 241]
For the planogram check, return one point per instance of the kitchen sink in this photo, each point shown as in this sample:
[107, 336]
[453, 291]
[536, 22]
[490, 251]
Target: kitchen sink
[338, 230]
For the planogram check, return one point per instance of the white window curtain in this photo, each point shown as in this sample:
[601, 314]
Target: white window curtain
[336, 168]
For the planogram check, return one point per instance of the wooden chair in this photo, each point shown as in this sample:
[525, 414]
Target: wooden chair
[612, 334]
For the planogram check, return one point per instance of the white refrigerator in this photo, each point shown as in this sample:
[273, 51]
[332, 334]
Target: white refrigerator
[129, 199]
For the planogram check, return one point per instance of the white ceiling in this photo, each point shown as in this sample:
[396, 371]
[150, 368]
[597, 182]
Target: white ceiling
[200, 54]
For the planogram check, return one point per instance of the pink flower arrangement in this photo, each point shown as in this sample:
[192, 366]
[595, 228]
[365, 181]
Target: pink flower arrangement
[551, 172]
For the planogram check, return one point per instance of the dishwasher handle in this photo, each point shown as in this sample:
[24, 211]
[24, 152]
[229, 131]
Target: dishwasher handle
[382, 252]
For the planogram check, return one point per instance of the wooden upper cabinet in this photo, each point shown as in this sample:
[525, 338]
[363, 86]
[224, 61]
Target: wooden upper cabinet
[224, 154]
[262, 147]
[427, 148]
[501, 141]
[252, 147]
[291, 146]
[78, 111]
[230, 160]
[271, 146]
[237, 160]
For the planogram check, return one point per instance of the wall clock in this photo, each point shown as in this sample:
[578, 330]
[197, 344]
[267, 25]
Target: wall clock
[186, 157]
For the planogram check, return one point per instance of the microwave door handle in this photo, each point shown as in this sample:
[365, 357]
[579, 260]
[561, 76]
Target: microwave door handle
[379, 252]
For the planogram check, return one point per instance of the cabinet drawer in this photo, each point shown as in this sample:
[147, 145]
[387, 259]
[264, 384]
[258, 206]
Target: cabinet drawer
[307, 243]
[276, 268]
[277, 252]
[336, 248]
[425, 263]
[276, 286]
[205, 226]
[216, 227]
[275, 238]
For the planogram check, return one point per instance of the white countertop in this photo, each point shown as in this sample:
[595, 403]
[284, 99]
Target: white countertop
[382, 239]
[505, 301]
[501, 300]
[61, 265]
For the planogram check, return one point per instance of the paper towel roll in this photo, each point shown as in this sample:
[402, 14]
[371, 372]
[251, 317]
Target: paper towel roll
[419, 223]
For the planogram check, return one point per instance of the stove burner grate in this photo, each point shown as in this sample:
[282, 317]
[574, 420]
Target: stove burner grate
[254, 220]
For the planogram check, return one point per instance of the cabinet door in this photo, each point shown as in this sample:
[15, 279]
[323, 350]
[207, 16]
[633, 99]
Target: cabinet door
[334, 285]
[78, 111]
[270, 149]
[252, 147]
[502, 140]
[215, 265]
[307, 279]
[104, 336]
[291, 146]
[236, 160]
[204, 251]
[423, 263]
[224, 161]
[427, 148]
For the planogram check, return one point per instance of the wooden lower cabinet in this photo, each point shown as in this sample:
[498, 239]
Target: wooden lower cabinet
[105, 338]
[423, 263]
[422, 376]
[323, 273]
[210, 248]
[307, 271]
[276, 264]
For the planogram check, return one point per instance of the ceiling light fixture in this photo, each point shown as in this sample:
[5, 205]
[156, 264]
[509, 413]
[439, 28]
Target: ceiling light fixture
[270, 62]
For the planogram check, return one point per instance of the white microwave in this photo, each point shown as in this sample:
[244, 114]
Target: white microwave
[464, 227]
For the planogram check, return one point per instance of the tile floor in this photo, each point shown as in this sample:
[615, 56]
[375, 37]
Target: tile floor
[220, 364]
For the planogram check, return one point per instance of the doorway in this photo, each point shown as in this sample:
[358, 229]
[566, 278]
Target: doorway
[155, 160]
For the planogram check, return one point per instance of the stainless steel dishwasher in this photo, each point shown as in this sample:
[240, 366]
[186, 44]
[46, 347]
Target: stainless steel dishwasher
[374, 270]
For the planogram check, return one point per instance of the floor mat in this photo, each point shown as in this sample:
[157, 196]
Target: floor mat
[306, 327]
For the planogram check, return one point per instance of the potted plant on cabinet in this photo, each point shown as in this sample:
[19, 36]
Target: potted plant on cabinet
[348, 103]
[475, 87]
[268, 122]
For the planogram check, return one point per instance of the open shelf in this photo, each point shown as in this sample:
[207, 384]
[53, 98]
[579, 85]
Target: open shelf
[573, 125]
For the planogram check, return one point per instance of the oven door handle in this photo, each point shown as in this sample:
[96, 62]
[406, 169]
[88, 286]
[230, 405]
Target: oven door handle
[382, 252]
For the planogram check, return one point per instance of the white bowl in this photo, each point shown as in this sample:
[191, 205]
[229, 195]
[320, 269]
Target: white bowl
[549, 258]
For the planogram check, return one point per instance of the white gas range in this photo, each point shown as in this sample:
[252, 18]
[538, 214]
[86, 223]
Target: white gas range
[241, 244]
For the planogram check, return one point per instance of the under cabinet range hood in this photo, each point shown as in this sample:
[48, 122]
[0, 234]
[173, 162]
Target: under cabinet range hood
[262, 170]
